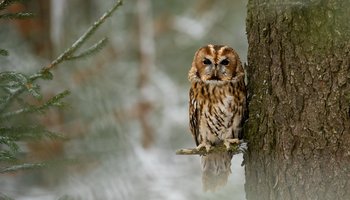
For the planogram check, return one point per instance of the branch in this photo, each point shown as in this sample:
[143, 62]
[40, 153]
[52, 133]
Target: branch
[19, 15]
[4, 52]
[9, 98]
[234, 148]
[21, 167]
[91, 50]
[68, 52]
[54, 101]
[6, 155]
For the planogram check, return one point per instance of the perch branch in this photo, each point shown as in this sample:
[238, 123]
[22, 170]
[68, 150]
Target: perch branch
[234, 148]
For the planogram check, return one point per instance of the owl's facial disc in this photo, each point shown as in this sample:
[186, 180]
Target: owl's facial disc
[215, 70]
[218, 63]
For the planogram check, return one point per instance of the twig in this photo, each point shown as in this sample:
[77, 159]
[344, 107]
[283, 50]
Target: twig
[21, 167]
[54, 101]
[91, 50]
[234, 148]
[19, 15]
[68, 52]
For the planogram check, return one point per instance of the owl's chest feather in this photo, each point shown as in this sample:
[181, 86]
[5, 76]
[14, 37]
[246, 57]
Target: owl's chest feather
[216, 97]
[217, 110]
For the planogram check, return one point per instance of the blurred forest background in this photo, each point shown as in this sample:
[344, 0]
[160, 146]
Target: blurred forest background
[128, 109]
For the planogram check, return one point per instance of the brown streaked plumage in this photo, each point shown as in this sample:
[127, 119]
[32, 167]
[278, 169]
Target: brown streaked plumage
[217, 106]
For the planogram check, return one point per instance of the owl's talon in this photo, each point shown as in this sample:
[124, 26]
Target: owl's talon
[208, 147]
[205, 145]
[227, 145]
[228, 142]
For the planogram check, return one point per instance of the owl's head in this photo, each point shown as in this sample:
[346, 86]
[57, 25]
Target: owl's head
[215, 63]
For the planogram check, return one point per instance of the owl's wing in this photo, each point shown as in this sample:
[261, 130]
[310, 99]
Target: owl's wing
[194, 116]
[245, 113]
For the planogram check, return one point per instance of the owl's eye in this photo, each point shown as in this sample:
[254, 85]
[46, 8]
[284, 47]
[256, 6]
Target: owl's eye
[206, 61]
[224, 62]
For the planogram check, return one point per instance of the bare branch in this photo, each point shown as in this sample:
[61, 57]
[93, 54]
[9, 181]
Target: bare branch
[234, 148]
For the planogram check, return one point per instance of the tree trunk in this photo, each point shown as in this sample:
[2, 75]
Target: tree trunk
[299, 85]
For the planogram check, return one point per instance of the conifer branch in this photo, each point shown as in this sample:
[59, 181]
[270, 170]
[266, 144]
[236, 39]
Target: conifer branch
[19, 80]
[68, 53]
[20, 133]
[22, 167]
[10, 98]
[91, 50]
[13, 147]
[20, 15]
[77, 44]
[13, 84]
[6, 156]
[4, 52]
[54, 101]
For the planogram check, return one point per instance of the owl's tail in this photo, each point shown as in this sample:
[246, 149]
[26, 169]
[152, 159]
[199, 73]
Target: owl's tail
[216, 167]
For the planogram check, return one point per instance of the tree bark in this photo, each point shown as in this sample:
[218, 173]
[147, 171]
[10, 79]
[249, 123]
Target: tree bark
[299, 83]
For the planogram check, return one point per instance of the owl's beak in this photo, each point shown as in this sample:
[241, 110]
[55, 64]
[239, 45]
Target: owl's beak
[215, 75]
[216, 70]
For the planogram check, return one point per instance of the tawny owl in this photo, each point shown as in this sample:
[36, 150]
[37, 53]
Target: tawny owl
[217, 96]
[217, 105]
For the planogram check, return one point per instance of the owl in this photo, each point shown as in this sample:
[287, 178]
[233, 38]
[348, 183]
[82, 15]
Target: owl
[217, 102]
[217, 108]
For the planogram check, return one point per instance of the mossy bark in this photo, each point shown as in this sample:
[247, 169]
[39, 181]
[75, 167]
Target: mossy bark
[299, 84]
